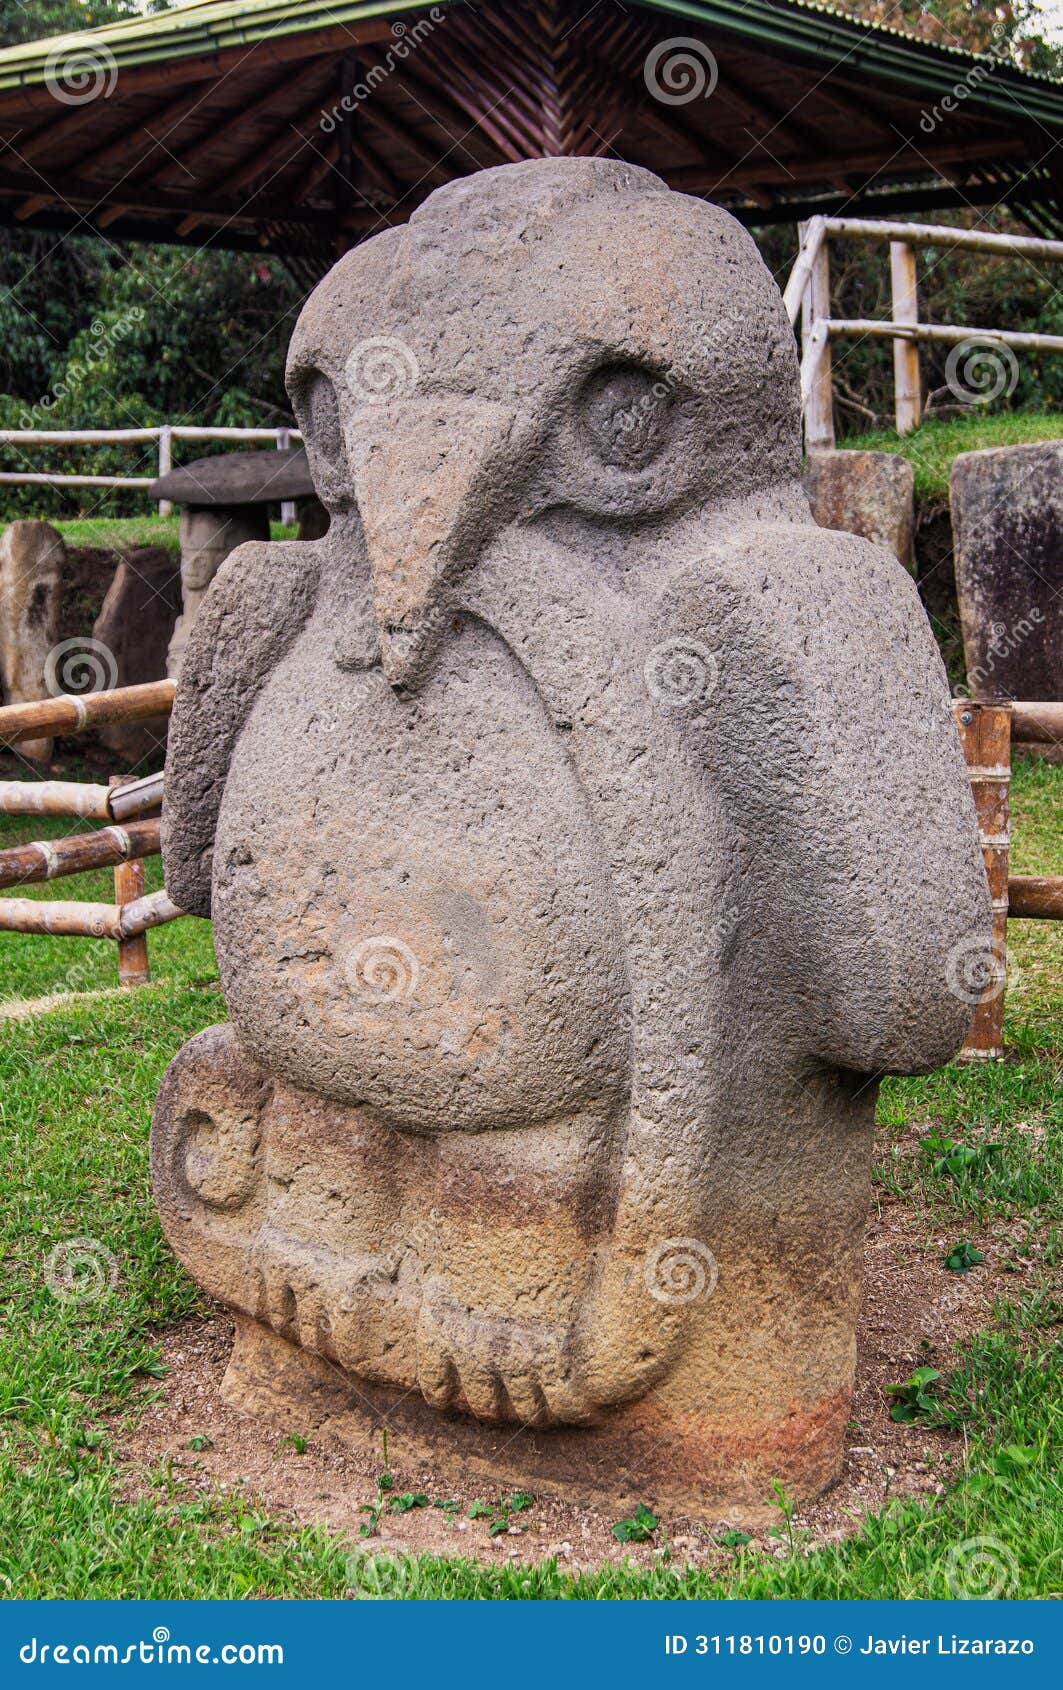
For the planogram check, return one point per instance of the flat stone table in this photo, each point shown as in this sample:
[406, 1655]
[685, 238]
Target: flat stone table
[226, 500]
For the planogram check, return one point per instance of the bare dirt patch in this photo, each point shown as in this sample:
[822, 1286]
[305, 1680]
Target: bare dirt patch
[916, 1312]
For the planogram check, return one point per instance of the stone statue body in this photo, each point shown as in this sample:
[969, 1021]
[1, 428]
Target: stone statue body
[585, 832]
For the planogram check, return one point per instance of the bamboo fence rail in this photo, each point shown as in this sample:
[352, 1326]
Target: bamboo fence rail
[131, 835]
[986, 731]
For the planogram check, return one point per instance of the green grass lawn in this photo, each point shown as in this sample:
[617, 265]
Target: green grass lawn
[126, 533]
[931, 448]
[77, 1083]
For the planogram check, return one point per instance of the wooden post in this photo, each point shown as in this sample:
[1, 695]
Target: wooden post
[288, 513]
[165, 463]
[906, 396]
[815, 307]
[133, 966]
[985, 734]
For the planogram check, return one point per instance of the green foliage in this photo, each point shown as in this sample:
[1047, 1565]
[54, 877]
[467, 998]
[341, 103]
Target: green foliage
[639, 1528]
[915, 1401]
[963, 1257]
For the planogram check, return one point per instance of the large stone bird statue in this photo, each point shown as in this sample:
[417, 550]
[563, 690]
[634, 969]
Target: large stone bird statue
[585, 833]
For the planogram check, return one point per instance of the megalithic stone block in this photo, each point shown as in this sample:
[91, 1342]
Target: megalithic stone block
[31, 566]
[867, 493]
[135, 627]
[1007, 525]
[585, 831]
[208, 535]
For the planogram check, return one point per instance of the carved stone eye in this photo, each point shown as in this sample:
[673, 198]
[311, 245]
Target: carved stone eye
[626, 412]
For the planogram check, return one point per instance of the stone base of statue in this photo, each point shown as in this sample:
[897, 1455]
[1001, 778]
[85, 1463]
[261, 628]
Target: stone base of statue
[682, 1376]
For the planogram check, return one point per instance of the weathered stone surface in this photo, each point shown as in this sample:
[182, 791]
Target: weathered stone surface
[867, 493]
[238, 478]
[585, 831]
[207, 538]
[313, 520]
[1007, 524]
[135, 626]
[31, 563]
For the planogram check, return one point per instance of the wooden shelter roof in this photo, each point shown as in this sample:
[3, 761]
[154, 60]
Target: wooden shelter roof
[299, 127]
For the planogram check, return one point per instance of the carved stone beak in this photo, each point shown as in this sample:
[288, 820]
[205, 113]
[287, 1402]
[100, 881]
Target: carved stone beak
[418, 477]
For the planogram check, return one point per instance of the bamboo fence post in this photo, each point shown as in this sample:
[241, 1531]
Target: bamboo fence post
[815, 307]
[133, 966]
[284, 440]
[905, 308]
[165, 464]
[985, 734]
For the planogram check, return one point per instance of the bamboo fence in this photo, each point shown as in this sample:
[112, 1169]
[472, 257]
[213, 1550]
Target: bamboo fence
[133, 829]
[133, 833]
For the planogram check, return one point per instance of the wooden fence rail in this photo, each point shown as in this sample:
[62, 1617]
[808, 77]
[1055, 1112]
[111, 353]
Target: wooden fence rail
[986, 731]
[807, 295]
[132, 833]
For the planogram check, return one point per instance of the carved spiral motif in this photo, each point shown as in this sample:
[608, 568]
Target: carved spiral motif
[680, 70]
[76, 74]
[81, 665]
[81, 1270]
[681, 1270]
[681, 672]
[981, 1569]
[979, 371]
[383, 969]
[382, 368]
